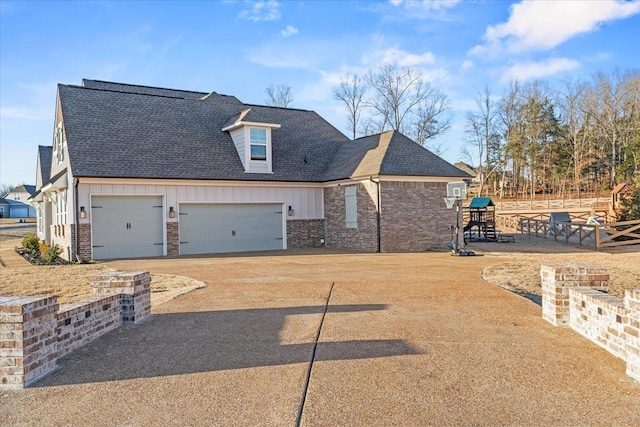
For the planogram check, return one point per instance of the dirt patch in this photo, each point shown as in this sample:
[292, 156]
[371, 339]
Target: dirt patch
[71, 283]
[521, 272]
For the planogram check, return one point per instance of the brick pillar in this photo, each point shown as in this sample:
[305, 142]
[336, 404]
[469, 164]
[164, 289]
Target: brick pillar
[84, 241]
[173, 239]
[28, 339]
[556, 281]
[135, 289]
[632, 332]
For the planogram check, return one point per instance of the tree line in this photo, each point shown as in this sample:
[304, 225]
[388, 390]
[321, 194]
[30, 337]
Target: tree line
[582, 136]
[573, 138]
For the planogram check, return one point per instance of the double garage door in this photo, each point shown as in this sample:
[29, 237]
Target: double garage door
[216, 228]
[133, 226]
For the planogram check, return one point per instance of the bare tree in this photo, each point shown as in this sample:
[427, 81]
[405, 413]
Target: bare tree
[403, 100]
[279, 96]
[605, 105]
[350, 91]
[432, 116]
[5, 189]
[576, 128]
[482, 134]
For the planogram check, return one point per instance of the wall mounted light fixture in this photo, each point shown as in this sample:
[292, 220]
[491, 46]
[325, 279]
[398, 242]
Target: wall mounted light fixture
[172, 213]
[291, 212]
[83, 213]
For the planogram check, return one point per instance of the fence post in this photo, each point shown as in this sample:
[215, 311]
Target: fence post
[597, 231]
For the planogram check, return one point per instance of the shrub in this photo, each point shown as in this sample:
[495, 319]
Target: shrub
[31, 244]
[50, 253]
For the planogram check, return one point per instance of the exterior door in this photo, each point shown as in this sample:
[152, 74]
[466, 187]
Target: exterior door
[127, 226]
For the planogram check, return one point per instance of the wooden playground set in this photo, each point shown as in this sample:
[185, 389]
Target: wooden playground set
[592, 223]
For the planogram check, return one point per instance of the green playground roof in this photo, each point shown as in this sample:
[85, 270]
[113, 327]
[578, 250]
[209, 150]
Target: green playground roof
[481, 202]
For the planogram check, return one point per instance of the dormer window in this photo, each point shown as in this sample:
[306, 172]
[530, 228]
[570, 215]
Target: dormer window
[250, 131]
[258, 142]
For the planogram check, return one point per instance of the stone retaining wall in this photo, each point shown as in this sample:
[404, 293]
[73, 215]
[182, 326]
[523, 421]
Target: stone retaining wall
[35, 331]
[575, 296]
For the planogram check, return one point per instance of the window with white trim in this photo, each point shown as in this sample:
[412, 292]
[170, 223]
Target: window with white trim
[351, 207]
[40, 219]
[258, 143]
[61, 208]
[58, 145]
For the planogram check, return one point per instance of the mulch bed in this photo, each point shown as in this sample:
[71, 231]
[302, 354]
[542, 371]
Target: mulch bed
[36, 260]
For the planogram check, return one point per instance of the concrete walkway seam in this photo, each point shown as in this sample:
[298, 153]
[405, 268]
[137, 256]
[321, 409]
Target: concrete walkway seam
[313, 357]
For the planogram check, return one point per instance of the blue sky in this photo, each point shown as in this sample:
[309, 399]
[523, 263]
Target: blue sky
[241, 47]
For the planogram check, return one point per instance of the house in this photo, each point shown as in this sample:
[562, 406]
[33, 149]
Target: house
[139, 171]
[469, 170]
[14, 205]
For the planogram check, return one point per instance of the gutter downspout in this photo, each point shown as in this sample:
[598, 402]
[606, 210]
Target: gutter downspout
[379, 208]
[76, 217]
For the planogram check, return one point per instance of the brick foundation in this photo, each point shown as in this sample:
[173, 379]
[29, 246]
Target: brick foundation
[35, 331]
[575, 296]
[305, 233]
[63, 235]
[173, 238]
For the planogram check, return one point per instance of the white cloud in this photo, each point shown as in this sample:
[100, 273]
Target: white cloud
[425, 4]
[466, 65]
[543, 25]
[262, 10]
[398, 56]
[533, 70]
[289, 31]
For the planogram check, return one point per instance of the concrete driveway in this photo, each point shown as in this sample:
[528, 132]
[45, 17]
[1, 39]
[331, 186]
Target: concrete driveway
[407, 339]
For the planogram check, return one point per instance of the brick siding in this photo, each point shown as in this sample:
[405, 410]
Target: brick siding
[305, 233]
[173, 238]
[365, 236]
[84, 241]
[414, 216]
[63, 235]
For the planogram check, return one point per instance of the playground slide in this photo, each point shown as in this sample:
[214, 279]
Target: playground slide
[469, 225]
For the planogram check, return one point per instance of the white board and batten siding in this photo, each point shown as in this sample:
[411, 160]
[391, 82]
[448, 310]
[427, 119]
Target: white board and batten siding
[238, 137]
[307, 202]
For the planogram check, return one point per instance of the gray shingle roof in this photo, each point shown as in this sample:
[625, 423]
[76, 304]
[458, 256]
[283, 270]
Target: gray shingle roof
[30, 189]
[143, 90]
[387, 153]
[45, 154]
[126, 131]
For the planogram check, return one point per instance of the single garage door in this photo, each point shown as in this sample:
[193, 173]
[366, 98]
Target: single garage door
[127, 227]
[209, 228]
[19, 212]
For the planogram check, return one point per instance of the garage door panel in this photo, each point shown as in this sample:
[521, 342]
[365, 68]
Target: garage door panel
[210, 228]
[127, 227]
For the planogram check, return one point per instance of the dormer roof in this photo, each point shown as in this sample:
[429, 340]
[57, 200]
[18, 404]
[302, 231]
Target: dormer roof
[248, 117]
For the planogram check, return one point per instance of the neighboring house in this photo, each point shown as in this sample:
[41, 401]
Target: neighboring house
[14, 204]
[139, 171]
